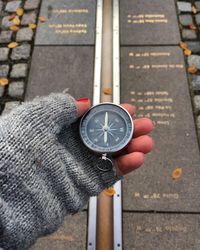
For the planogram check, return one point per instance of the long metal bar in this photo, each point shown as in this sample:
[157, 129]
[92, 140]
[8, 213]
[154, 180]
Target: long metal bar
[92, 220]
[105, 202]
[117, 198]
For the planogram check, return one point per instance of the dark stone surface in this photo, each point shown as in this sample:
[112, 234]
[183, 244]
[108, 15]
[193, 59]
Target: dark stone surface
[2, 88]
[55, 69]
[158, 86]
[62, 26]
[161, 231]
[1, 5]
[72, 235]
[163, 30]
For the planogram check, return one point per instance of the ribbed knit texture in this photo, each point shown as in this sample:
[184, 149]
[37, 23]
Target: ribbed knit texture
[45, 170]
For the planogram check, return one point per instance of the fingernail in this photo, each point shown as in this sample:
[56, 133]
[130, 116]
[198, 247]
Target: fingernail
[84, 99]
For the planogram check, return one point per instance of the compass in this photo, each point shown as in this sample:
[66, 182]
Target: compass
[106, 128]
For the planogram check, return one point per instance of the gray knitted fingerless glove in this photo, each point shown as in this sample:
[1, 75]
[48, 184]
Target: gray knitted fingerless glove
[45, 170]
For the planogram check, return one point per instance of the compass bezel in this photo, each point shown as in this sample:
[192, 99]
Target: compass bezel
[130, 130]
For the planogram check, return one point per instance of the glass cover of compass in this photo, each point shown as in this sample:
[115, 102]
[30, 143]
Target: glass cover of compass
[106, 128]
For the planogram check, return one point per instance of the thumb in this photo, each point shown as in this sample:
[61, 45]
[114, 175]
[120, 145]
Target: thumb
[82, 105]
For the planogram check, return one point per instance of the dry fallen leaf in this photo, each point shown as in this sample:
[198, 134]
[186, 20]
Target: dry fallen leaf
[20, 12]
[187, 52]
[109, 191]
[183, 45]
[14, 28]
[3, 81]
[194, 9]
[16, 20]
[192, 69]
[12, 45]
[11, 17]
[42, 19]
[107, 91]
[32, 26]
[177, 173]
[192, 26]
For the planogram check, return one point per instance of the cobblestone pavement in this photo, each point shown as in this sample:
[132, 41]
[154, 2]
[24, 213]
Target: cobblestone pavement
[18, 24]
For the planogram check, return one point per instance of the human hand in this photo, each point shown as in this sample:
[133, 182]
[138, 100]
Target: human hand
[132, 156]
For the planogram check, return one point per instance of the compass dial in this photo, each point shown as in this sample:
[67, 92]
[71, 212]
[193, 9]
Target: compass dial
[106, 128]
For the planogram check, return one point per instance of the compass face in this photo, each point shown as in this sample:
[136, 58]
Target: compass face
[106, 128]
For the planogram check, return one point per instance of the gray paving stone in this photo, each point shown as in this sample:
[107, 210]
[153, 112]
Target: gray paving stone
[4, 69]
[31, 4]
[185, 20]
[29, 18]
[196, 83]
[19, 70]
[72, 235]
[148, 22]
[198, 121]
[194, 46]
[62, 69]
[24, 34]
[16, 89]
[4, 54]
[5, 36]
[154, 79]
[197, 103]
[197, 4]
[21, 52]
[2, 88]
[12, 6]
[6, 23]
[189, 34]
[161, 231]
[194, 60]
[9, 106]
[76, 26]
[197, 18]
[184, 6]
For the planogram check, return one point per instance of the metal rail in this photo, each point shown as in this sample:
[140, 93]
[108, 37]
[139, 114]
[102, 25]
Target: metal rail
[105, 213]
[92, 220]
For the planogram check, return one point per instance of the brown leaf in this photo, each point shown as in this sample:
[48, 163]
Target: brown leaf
[107, 91]
[42, 19]
[192, 26]
[187, 52]
[14, 28]
[183, 45]
[12, 45]
[192, 69]
[16, 20]
[4, 81]
[109, 191]
[32, 26]
[20, 12]
[177, 173]
[194, 9]
[11, 17]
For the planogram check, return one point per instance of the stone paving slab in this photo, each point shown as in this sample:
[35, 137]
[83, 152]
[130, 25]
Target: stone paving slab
[154, 79]
[67, 23]
[161, 231]
[55, 69]
[69, 235]
[148, 22]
